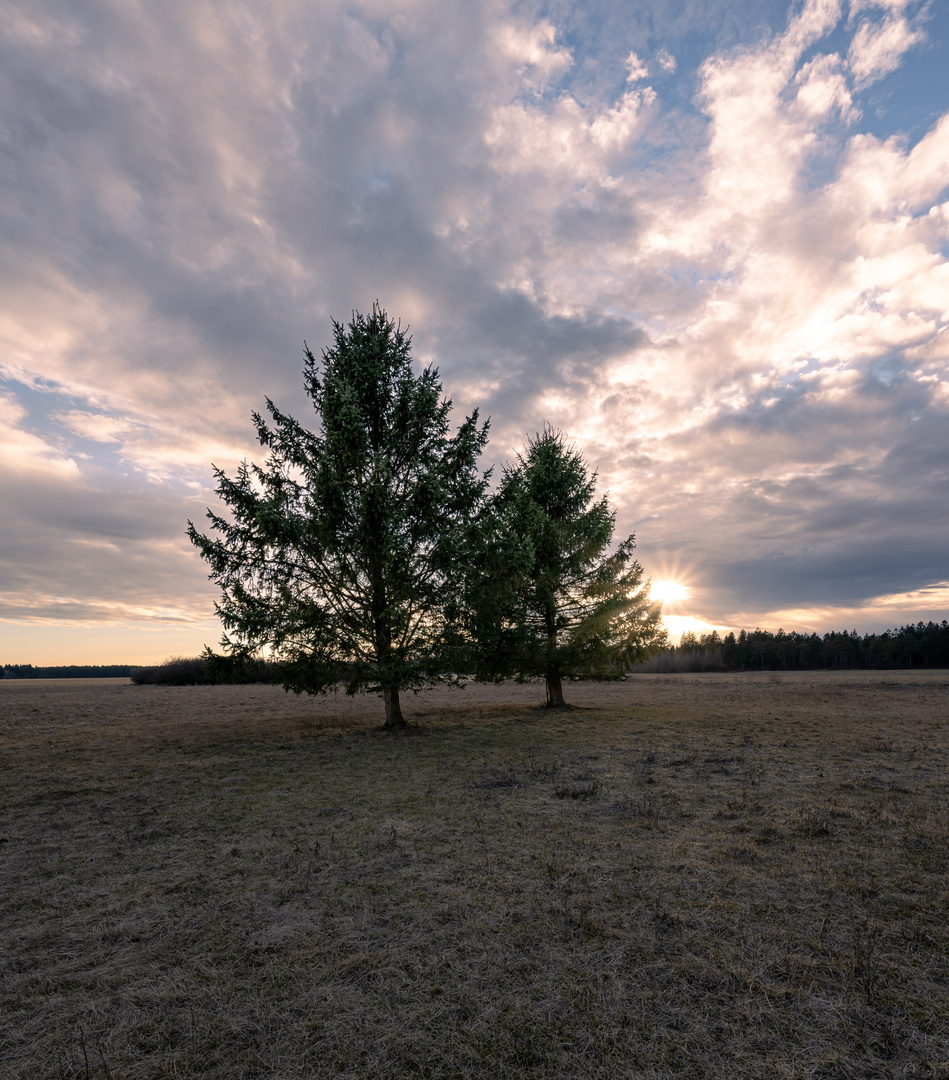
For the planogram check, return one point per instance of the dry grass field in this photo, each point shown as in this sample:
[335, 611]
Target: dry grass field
[730, 876]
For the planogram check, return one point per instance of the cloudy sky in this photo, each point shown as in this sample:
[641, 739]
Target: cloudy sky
[707, 238]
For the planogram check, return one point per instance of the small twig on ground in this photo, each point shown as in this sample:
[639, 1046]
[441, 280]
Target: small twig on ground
[85, 1056]
[105, 1066]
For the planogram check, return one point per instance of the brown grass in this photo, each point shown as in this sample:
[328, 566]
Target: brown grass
[692, 875]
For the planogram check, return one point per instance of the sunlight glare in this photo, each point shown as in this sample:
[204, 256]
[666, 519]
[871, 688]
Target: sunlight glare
[669, 591]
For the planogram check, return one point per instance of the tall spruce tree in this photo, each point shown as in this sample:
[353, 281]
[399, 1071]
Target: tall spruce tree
[341, 555]
[549, 600]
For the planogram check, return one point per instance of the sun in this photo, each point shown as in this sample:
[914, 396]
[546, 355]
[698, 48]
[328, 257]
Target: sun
[669, 591]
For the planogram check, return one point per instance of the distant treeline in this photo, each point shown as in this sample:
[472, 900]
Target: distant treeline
[176, 671]
[917, 645]
[66, 671]
[206, 671]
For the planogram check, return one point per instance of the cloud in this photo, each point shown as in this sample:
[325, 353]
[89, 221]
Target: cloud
[823, 88]
[77, 552]
[636, 68]
[775, 416]
[533, 49]
[736, 302]
[876, 50]
[666, 61]
[26, 455]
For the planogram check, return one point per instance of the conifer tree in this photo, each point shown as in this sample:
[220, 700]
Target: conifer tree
[342, 555]
[549, 599]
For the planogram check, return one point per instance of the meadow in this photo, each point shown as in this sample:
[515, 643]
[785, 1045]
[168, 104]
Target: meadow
[724, 875]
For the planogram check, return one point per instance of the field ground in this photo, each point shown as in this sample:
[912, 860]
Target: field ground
[729, 876]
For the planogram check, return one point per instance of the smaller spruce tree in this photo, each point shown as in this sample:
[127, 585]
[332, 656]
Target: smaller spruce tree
[549, 600]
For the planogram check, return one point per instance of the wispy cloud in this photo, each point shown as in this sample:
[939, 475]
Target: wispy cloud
[876, 50]
[666, 61]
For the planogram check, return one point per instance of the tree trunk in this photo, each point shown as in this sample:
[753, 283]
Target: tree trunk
[554, 689]
[394, 718]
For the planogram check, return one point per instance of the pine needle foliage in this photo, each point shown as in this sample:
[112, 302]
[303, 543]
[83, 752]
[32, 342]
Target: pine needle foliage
[551, 600]
[341, 556]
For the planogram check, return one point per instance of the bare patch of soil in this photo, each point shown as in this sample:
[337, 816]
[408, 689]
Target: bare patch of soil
[689, 875]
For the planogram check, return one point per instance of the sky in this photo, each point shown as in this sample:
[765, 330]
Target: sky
[707, 240]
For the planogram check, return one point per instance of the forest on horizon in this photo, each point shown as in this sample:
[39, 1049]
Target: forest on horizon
[916, 645]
